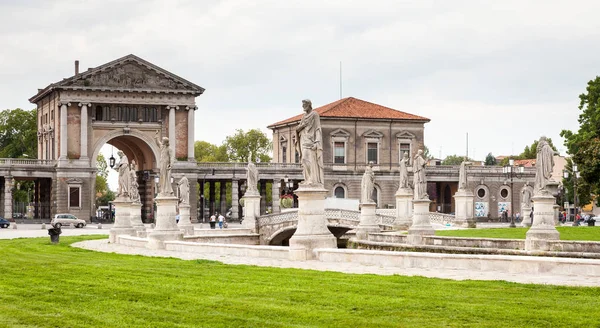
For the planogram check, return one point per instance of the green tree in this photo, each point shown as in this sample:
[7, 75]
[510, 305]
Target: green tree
[426, 154]
[530, 152]
[584, 189]
[584, 145]
[18, 133]
[103, 192]
[490, 160]
[207, 152]
[454, 160]
[242, 144]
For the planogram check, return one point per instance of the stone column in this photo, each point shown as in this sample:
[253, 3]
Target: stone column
[275, 192]
[63, 130]
[201, 201]
[223, 197]
[556, 208]
[404, 208]
[136, 219]
[172, 137]
[234, 200]
[166, 226]
[542, 228]
[8, 184]
[421, 225]
[251, 210]
[122, 224]
[190, 141]
[368, 221]
[211, 198]
[84, 130]
[464, 200]
[263, 196]
[312, 231]
[185, 224]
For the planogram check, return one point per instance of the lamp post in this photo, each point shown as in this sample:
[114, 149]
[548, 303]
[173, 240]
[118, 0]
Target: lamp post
[511, 171]
[111, 160]
[288, 184]
[574, 175]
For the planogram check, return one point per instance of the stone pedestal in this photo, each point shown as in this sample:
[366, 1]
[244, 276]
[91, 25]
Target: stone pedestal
[122, 224]
[166, 225]
[251, 211]
[526, 220]
[136, 217]
[556, 217]
[464, 200]
[368, 221]
[404, 208]
[312, 231]
[185, 224]
[542, 229]
[421, 225]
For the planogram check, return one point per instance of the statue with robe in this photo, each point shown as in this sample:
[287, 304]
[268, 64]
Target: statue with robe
[462, 175]
[419, 177]
[164, 166]
[544, 164]
[134, 191]
[526, 196]
[309, 140]
[404, 171]
[124, 177]
[252, 177]
[367, 185]
[184, 190]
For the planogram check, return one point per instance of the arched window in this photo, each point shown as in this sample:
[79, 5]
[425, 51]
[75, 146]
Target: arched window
[340, 192]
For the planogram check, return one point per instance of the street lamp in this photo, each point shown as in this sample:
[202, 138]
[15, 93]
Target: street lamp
[288, 184]
[111, 160]
[511, 171]
[575, 176]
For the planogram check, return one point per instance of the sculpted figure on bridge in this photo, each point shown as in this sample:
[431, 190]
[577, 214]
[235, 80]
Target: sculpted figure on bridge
[134, 189]
[420, 179]
[184, 190]
[124, 177]
[404, 172]
[164, 167]
[462, 175]
[544, 163]
[252, 177]
[310, 143]
[367, 185]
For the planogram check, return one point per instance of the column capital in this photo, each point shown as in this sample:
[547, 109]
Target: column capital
[191, 107]
[175, 107]
[62, 103]
[85, 104]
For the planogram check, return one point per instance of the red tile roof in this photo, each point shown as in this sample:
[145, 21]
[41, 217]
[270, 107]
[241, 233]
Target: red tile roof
[525, 162]
[356, 108]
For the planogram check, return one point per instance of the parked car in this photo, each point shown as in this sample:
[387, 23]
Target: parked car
[60, 220]
[4, 223]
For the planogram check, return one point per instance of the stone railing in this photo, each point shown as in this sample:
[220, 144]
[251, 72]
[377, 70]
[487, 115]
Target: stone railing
[441, 218]
[26, 161]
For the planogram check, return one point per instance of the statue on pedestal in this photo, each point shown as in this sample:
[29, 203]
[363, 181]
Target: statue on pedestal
[367, 185]
[404, 172]
[252, 176]
[526, 193]
[124, 178]
[164, 167]
[184, 190]
[462, 175]
[419, 177]
[544, 164]
[309, 140]
[134, 189]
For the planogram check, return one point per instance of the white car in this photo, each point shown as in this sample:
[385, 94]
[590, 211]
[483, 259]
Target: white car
[66, 219]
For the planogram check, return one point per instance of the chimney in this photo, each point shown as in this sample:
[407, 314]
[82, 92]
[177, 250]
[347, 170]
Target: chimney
[76, 67]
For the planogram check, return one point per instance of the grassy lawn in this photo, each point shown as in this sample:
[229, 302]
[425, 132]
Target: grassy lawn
[566, 233]
[45, 285]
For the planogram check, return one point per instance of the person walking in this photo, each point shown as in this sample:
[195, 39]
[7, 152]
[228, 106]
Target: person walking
[221, 219]
[213, 220]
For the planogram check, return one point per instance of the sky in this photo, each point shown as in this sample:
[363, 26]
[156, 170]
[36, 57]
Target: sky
[505, 72]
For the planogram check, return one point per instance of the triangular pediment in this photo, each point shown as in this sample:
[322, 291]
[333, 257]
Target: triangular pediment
[340, 133]
[405, 135]
[130, 73]
[373, 134]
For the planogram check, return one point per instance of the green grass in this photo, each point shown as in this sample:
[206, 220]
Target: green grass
[566, 233]
[45, 285]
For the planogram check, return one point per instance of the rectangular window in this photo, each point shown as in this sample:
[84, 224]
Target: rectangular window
[372, 152]
[404, 148]
[284, 153]
[339, 152]
[74, 197]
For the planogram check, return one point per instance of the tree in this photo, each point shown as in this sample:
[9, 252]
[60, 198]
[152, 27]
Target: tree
[18, 133]
[584, 189]
[207, 152]
[530, 152]
[426, 154]
[103, 192]
[490, 160]
[454, 160]
[242, 144]
[584, 145]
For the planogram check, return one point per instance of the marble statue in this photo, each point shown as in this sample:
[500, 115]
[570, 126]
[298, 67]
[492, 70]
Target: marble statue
[367, 185]
[134, 191]
[526, 193]
[544, 164]
[124, 178]
[404, 172]
[252, 176]
[310, 141]
[164, 167]
[184, 190]
[419, 177]
[462, 175]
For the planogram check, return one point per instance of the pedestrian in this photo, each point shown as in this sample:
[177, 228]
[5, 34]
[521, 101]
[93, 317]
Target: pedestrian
[221, 219]
[505, 216]
[517, 217]
[213, 220]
